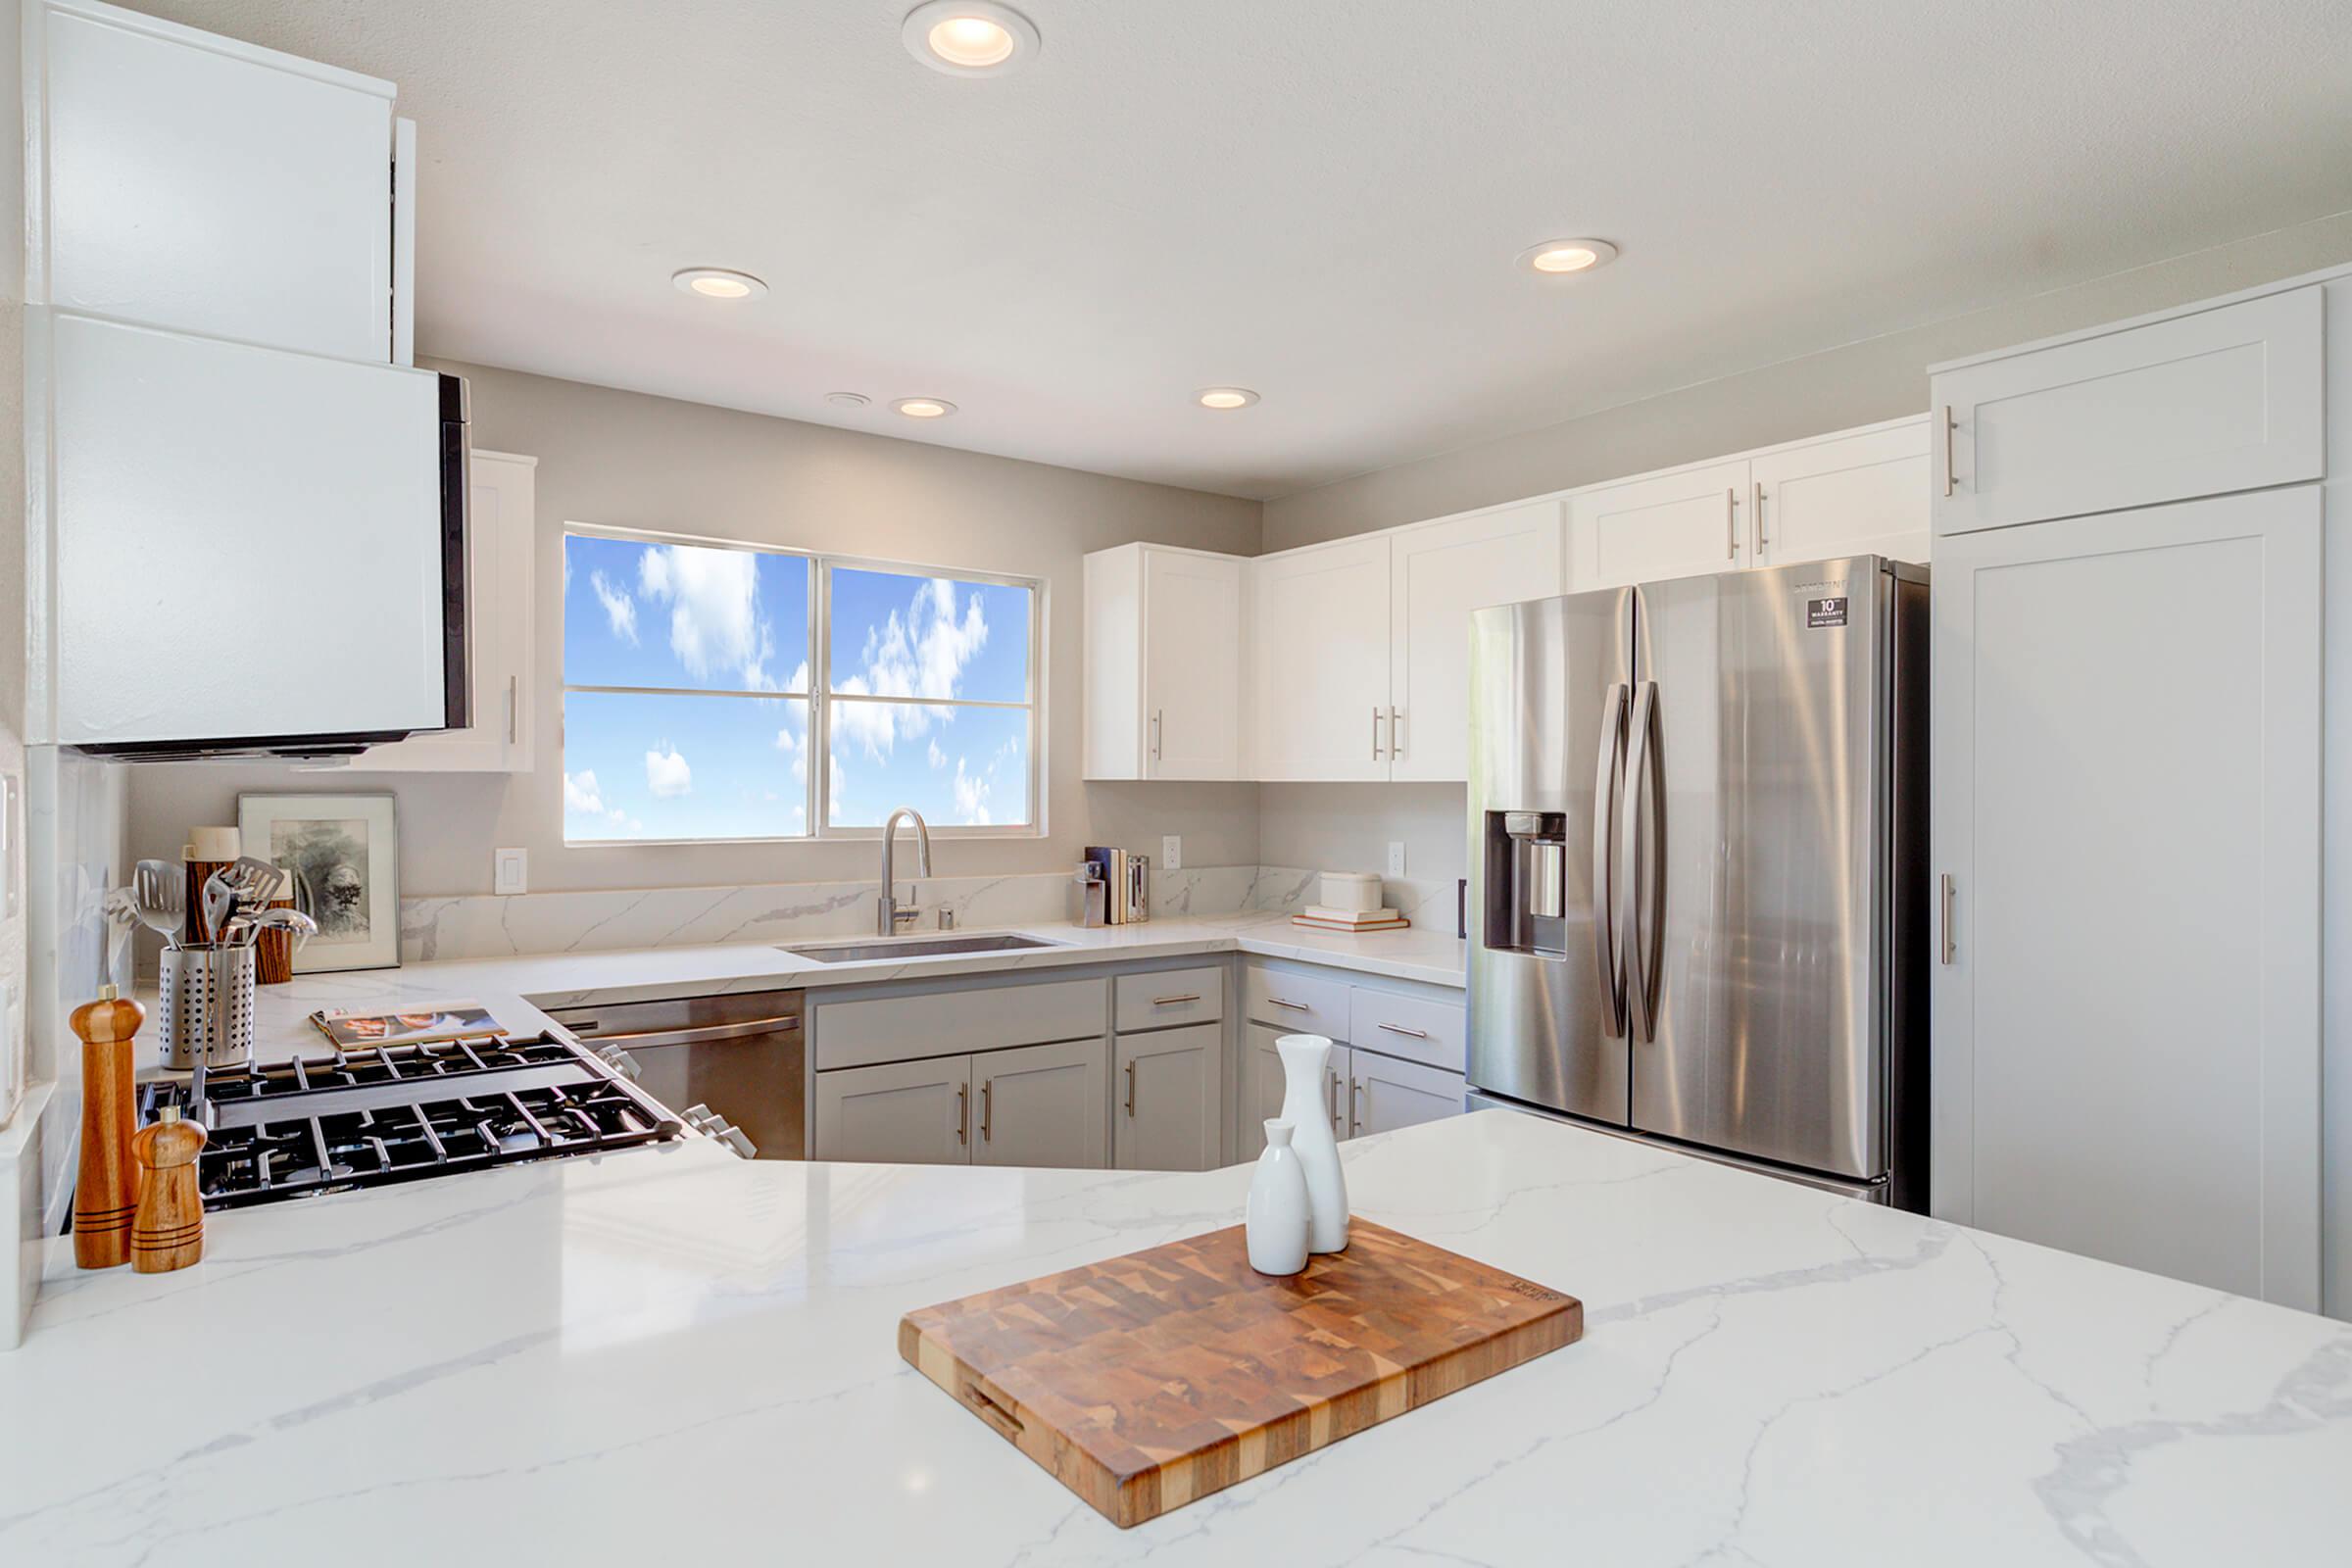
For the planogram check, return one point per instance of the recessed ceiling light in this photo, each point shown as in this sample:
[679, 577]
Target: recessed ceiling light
[924, 408]
[718, 283]
[1226, 397]
[969, 38]
[1557, 258]
[848, 400]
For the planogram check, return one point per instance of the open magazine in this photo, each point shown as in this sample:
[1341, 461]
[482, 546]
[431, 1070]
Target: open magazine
[413, 1026]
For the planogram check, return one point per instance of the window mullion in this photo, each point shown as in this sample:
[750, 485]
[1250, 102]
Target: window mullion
[820, 697]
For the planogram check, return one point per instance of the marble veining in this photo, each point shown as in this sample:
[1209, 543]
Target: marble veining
[579, 1361]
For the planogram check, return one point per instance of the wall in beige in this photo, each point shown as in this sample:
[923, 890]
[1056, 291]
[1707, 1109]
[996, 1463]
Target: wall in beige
[629, 460]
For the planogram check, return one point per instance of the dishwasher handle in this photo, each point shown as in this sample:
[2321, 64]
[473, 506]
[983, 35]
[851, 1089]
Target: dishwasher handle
[743, 1029]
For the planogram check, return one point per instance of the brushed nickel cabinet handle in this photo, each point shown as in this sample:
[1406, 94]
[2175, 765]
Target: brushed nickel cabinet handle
[1952, 480]
[513, 709]
[1170, 1001]
[988, 1095]
[963, 1121]
[1400, 1029]
[1946, 943]
[1131, 1090]
[1355, 1095]
[1331, 1099]
[1731, 523]
[1376, 734]
[1284, 1002]
[1395, 746]
[1160, 734]
[1756, 521]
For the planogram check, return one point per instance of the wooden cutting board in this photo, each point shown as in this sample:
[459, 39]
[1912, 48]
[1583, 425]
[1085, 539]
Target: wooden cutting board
[1150, 1379]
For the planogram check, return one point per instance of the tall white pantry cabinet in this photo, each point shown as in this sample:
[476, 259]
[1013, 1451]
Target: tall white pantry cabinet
[2131, 597]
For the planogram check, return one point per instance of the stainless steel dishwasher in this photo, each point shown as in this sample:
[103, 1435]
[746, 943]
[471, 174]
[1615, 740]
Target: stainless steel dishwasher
[742, 1054]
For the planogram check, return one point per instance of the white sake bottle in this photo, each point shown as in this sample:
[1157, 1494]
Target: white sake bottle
[1305, 1067]
[1276, 1221]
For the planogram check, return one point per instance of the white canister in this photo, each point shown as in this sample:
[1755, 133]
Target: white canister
[1357, 892]
[1305, 1067]
[1278, 1218]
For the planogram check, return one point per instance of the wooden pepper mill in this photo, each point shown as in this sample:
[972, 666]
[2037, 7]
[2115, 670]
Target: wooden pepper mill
[107, 1191]
[168, 1231]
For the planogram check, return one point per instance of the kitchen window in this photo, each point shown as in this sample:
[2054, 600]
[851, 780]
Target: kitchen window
[703, 683]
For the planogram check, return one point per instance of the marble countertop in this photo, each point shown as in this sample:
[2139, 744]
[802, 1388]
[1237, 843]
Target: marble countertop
[607, 1360]
[514, 989]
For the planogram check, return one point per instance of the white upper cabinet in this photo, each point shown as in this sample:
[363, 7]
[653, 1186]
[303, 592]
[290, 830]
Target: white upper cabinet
[1857, 495]
[1321, 666]
[1163, 666]
[2201, 404]
[196, 183]
[1680, 524]
[1439, 573]
[500, 590]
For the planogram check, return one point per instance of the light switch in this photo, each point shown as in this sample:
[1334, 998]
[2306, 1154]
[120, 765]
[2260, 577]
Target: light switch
[1171, 852]
[509, 870]
[1396, 856]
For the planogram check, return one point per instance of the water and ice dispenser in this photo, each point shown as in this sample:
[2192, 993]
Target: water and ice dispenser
[1526, 882]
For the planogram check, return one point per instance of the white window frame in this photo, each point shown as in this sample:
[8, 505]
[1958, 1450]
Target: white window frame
[820, 698]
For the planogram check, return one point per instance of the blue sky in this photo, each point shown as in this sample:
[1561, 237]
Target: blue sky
[689, 619]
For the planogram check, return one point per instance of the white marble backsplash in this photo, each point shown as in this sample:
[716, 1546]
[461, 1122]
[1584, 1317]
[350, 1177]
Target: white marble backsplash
[485, 926]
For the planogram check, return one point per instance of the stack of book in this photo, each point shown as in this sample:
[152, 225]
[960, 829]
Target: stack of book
[1324, 918]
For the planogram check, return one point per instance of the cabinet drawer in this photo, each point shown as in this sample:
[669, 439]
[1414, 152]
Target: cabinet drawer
[1298, 1005]
[2201, 404]
[1412, 1027]
[1171, 996]
[953, 1024]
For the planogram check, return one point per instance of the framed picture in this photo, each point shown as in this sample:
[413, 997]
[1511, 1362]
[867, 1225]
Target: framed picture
[344, 850]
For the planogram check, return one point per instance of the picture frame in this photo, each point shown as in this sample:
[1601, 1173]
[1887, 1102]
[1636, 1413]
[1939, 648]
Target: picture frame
[344, 850]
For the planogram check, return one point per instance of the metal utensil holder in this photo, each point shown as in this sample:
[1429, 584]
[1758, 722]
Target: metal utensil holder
[208, 1005]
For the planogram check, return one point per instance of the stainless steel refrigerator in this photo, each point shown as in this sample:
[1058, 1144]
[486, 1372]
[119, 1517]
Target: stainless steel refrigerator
[1698, 886]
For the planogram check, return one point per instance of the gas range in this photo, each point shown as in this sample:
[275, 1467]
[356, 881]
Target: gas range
[363, 1118]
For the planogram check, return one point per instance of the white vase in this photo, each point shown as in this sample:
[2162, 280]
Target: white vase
[1306, 1068]
[1276, 1221]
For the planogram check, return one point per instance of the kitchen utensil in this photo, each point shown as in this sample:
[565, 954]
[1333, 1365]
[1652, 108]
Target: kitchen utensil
[1147, 1381]
[160, 891]
[106, 1191]
[273, 964]
[166, 1229]
[119, 909]
[199, 878]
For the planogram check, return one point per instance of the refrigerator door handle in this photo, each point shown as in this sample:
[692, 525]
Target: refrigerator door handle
[1643, 960]
[1608, 785]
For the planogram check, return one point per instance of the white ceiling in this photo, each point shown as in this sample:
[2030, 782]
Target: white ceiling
[1319, 201]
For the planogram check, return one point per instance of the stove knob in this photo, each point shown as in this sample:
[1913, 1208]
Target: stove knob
[619, 1061]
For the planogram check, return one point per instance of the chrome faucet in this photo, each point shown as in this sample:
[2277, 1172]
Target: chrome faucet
[888, 915]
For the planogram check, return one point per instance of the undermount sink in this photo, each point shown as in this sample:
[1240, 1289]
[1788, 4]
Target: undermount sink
[916, 947]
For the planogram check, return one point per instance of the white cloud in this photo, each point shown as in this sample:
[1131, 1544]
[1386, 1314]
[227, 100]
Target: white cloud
[714, 622]
[786, 739]
[619, 609]
[971, 797]
[939, 759]
[666, 775]
[921, 652]
[580, 794]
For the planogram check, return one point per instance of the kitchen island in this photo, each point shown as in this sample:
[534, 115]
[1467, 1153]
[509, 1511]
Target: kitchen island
[670, 1350]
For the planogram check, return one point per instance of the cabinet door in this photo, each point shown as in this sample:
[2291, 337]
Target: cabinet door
[1263, 1086]
[1169, 1089]
[1679, 525]
[1192, 665]
[196, 183]
[1860, 495]
[1385, 1094]
[1321, 662]
[1438, 574]
[2126, 726]
[1044, 1105]
[902, 1114]
[2199, 405]
[501, 594]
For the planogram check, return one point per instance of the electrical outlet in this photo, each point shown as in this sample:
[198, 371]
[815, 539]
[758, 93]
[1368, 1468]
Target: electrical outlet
[509, 870]
[1171, 852]
[1396, 856]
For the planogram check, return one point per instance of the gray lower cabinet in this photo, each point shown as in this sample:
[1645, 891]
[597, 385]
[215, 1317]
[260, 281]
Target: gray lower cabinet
[1395, 1057]
[1385, 1094]
[900, 1114]
[1168, 1109]
[1041, 1105]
